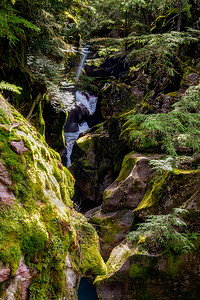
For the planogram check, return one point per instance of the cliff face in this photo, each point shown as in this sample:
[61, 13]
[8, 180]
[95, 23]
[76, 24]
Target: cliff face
[141, 167]
[148, 223]
[46, 246]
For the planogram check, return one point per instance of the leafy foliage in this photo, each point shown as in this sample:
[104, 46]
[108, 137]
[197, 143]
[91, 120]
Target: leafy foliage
[12, 25]
[170, 132]
[157, 52]
[167, 164]
[159, 234]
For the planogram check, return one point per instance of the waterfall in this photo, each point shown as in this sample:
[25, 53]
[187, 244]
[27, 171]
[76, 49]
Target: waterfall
[83, 58]
[85, 101]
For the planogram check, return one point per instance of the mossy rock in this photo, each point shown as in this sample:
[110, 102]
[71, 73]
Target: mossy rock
[118, 98]
[168, 190]
[97, 158]
[37, 218]
[136, 274]
[112, 227]
[130, 187]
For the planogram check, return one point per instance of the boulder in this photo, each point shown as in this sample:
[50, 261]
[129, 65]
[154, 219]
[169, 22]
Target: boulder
[151, 277]
[128, 190]
[112, 227]
[75, 117]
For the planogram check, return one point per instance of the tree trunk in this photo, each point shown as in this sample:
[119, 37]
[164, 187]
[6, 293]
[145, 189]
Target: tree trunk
[179, 17]
[126, 30]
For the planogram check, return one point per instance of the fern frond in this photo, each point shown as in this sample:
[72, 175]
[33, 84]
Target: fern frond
[10, 87]
[178, 128]
[160, 233]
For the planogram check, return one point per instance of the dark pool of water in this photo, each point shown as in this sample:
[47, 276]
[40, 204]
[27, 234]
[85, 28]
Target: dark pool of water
[86, 291]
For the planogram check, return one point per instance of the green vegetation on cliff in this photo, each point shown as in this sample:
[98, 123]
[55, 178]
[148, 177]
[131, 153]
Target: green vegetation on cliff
[37, 219]
[173, 132]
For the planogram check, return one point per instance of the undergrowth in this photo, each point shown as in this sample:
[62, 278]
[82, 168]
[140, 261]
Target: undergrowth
[176, 131]
[160, 234]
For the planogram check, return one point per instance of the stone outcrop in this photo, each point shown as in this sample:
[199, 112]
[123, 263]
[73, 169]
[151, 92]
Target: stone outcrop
[129, 188]
[19, 285]
[96, 159]
[140, 268]
[19, 147]
[46, 246]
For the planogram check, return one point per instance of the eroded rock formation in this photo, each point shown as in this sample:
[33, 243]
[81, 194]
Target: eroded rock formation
[46, 246]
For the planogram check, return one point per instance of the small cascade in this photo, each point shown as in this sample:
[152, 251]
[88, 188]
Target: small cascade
[83, 106]
[76, 122]
[81, 65]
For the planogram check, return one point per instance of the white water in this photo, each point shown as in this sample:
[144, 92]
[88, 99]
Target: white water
[85, 53]
[70, 137]
[89, 103]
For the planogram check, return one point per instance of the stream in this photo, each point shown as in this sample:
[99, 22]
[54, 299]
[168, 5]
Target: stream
[80, 110]
[85, 106]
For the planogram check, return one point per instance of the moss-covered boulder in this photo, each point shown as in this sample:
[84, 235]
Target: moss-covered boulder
[176, 188]
[138, 276]
[153, 260]
[112, 227]
[45, 246]
[129, 188]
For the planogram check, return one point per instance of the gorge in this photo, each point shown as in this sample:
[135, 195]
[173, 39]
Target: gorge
[99, 150]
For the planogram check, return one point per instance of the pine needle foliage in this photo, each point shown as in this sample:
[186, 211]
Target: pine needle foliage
[160, 234]
[178, 130]
[157, 52]
[11, 25]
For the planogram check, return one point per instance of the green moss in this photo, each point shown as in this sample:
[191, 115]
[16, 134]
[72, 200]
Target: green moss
[173, 94]
[86, 258]
[40, 124]
[138, 271]
[154, 193]
[54, 154]
[10, 220]
[10, 253]
[173, 265]
[69, 182]
[108, 227]
[4, 117]
[35, 223]
[33, 238]
[180, 171]
[118, 257]
[85, 142]
[127, 166]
